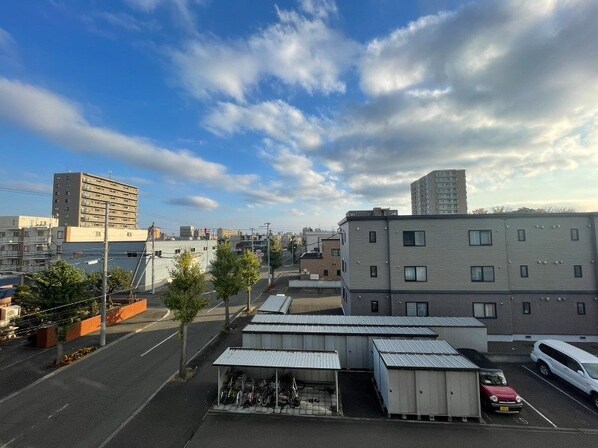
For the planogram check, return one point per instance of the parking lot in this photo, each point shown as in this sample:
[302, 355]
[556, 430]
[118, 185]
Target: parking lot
[548, 402]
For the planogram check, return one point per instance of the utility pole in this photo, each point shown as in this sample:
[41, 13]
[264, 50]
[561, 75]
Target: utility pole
[269, 267]
[153, 257]
[104, 280]
[252, 229]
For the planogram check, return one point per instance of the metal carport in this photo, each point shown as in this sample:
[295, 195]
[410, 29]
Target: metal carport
[279, 359]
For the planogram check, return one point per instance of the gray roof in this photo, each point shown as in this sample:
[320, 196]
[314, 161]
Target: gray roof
[427, 362]
[282, 359]
[411, 346]
[278, 304]
[341, 330]
[373, 321]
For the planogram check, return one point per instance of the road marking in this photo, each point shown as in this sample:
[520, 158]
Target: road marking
[59, 410]
[23, 360]
[212, 309]
[560, 390]
[158, 344]
[539, 413]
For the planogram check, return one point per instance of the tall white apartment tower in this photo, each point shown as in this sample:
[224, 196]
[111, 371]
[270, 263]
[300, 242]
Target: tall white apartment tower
[440, 192]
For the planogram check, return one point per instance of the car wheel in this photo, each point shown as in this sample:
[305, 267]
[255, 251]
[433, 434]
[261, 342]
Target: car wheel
[595, 399]
[544, 369]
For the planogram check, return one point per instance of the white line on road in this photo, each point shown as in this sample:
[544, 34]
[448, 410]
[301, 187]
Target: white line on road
[539, 413]
[561, 391]
[25, 359]
[158, 344]
[10, 441]
[212, 309]
[59, 410]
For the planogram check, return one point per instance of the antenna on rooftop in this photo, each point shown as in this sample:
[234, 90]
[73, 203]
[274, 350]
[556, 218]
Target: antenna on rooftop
[110, 174]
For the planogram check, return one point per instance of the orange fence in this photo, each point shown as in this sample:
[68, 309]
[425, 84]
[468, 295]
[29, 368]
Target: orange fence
[46, 337]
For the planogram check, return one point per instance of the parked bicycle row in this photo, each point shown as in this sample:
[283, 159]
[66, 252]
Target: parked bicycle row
[243, 391]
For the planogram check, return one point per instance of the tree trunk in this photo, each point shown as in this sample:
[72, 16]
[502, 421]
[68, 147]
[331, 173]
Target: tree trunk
[183, 362]
[226, 316]
[248, 299]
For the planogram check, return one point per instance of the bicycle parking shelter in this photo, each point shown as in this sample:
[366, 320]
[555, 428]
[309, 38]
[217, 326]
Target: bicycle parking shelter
[307, 365]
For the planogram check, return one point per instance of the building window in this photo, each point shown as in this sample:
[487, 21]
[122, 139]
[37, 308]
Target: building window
[482, 273]
[192, 249]
[372, 236]
[338, 272]
[577, 272]
[177, 251]
[335, 252]
[16, 233]
[574, 234]
[520, 234]
[325, 272]
[527, 308]
[523, 271]
[66, 201]
[414, 238]
[131, 254]
[374, 306]
[158, 253]
[373, 271]
[419, 309]
[416, 274]
[581, 308]
[484, 310]
[60, 234]
[480, 238]
[40, 233]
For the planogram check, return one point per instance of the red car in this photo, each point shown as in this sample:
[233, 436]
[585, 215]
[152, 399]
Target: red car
[495, 392]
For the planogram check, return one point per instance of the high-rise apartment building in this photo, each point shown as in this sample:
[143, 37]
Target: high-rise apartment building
[79, 200]
[441, 192]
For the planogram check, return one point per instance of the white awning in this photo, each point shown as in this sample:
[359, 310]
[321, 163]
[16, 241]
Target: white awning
[279, 359]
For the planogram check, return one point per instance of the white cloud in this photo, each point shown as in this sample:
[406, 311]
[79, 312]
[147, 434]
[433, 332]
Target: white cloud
[276, 119]
[200, 202]
[319, 8]
[62, 122]
[297, 51]
[296, 212]
[511, 98]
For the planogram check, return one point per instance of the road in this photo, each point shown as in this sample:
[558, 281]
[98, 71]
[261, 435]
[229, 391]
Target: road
[84, 404]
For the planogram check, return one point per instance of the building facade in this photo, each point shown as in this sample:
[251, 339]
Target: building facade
[136, 257]
[440, 192]
[524, 276]
[79, 200]
[326, 264]
[25, 243]
[312, 238]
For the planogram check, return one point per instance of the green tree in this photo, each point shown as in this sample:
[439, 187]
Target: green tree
[275, 255]
[185, 297]
[249, 271]
[64, 291]
[118, 280]
[225, 276]
[25, 297]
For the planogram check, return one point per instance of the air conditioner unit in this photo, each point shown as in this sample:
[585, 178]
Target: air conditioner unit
[10, 312]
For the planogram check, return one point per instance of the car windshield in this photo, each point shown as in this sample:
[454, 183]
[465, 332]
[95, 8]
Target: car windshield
[592, 370]
[493, 379]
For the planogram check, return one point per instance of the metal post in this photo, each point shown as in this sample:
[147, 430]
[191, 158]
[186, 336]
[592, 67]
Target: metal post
[276, 407]
[153, 259]
[252, 239]
[104, 280]
[269, 268]
[219, 386]
[336, 384]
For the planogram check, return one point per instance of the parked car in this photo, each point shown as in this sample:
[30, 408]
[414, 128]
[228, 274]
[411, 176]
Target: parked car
[573, 365]
[495, 392]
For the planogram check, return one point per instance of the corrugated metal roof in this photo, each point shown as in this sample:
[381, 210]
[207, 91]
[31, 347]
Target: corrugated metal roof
[407, 346]
[341, 330]
[281, 359]
[374, 321]
[278, 304]
[426, 362]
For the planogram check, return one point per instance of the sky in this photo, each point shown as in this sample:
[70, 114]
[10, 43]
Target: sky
[230, 113]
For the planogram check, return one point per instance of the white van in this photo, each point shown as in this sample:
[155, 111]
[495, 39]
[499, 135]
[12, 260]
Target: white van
[574, 365]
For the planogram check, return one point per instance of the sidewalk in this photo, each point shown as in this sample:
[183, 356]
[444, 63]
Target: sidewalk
[21, 364]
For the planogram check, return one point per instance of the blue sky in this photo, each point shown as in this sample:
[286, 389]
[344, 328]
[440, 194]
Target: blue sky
[234, 113]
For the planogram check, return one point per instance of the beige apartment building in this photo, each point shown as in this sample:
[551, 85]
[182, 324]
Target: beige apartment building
[441, 192]
[25, 243]
[526, 276]
[325, 264]
[79, 200]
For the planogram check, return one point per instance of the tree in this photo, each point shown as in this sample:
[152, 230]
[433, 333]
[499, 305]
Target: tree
[275, 255]
[225, 276]
[64, 291]
[118, 280]
[185, 297]
[249, 272]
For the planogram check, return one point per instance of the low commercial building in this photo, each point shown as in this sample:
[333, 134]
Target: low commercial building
[324, 265]
[525, 276]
